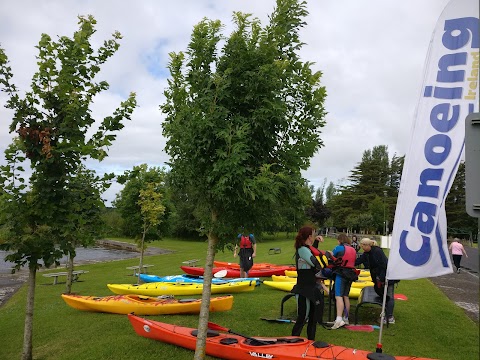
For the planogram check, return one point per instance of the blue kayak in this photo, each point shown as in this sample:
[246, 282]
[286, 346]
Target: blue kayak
[185, 278]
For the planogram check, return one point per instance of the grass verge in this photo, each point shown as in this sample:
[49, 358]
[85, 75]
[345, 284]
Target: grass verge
[428, 324]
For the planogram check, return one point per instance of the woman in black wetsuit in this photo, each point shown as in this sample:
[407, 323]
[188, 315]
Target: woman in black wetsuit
[308, 294]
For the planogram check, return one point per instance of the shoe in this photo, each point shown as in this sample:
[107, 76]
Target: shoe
[458, 271]
[345, 320]
[337, 324]
[391, 320]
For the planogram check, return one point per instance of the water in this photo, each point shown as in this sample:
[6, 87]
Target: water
[84, 255]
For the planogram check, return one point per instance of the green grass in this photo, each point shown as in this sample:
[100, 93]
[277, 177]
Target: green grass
[428, 324]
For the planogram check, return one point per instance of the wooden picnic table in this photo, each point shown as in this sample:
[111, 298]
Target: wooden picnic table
[75, 274]
[137, 267]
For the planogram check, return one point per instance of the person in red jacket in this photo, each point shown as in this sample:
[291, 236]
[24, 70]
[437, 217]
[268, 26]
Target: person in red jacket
[344, 275]
[248, 250]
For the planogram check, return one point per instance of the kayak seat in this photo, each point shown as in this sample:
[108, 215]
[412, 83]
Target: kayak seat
[290, 340]
[228, 341]
[210, 333]
[186, 300]
[367, 296]
[320, 344]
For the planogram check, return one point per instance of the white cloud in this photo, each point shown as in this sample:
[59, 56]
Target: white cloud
[371, 54]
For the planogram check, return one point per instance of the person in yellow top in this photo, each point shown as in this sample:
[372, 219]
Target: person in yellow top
[248, 250]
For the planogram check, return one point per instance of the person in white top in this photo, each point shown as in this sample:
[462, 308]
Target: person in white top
[457, 250]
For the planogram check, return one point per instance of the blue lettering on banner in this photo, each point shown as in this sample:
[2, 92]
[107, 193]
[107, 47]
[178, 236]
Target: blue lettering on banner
[458, 33]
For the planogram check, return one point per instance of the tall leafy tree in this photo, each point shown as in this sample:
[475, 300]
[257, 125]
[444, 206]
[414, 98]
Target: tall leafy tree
[151, 210]
[241, 122]
[458, 221]
[128, 205]
[53, 123]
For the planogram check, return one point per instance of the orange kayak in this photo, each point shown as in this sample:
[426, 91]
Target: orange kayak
[236, 347]
[258, 266]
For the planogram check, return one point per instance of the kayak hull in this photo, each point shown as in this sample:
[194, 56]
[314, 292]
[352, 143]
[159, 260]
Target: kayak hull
[363, 273]
[144, 305]
[288, 286]
[190, 279]
[163, 288]
[236, 347]
[235, 273]
[256, 266]
[356, 284]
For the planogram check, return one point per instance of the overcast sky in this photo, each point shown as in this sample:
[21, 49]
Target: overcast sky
[371, 54]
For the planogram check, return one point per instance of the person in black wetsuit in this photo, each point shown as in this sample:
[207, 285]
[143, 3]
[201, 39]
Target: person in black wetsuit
[309, 296]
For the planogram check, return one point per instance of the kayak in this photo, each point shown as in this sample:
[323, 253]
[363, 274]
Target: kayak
[288, 286]
[231, 346]
[189, 279]
[235, 273]
[256, 266]
[357, 284]
[144, 305]
[293, 273]
[164, 288]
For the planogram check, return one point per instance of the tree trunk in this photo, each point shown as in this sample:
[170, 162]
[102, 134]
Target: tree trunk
[28, 330]
[207, 289]
[68, 287]
[142, 243]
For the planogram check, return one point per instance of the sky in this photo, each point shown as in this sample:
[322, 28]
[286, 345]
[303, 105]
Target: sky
[371, 54]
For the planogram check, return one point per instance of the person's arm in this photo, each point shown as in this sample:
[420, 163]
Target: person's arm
[311, 260]
[362, 259]
[235, 251]
[254, 246]
[463, 249]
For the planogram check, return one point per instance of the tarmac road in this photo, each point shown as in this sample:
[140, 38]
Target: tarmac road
[462, 288]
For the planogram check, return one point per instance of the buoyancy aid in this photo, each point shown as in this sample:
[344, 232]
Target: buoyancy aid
[245, 242]
[320, 255]
[349, 257]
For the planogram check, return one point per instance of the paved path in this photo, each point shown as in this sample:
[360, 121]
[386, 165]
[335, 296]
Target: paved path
[462, 288]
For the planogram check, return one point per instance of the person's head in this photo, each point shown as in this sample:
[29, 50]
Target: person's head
[367, 243]
[343, 239]
[456, 240]
[304, 237]
[354, 238]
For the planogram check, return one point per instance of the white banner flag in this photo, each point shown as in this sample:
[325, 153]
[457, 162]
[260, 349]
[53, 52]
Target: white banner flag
[449, 93]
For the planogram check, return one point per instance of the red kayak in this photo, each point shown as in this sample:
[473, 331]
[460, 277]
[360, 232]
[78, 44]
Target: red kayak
[256, 266]
[238, 347]
[235, 273]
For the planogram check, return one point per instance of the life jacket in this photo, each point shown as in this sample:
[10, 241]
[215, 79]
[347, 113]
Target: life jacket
[320, 255]
[348, 258]
[245, 242]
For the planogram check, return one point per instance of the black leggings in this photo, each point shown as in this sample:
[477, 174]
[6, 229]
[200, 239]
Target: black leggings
[302, 303]
[456, 260]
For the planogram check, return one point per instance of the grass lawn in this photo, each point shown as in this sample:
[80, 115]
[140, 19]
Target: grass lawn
[428, 324]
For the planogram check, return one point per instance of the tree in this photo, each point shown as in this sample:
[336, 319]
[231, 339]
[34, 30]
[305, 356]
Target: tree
[127, 201]
[241, 123]
[53, 122]
[151, 210]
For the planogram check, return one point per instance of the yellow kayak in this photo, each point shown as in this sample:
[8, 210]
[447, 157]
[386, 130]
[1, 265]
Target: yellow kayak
[288, 286]
[363, 273]
[165, 288]
[144, 305]
[357, 284]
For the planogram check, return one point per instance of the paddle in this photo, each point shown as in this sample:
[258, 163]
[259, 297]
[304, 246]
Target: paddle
[288, 321]
[214, 326]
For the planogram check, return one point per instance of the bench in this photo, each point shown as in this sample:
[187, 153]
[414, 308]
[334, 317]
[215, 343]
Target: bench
[272, 251]
[75, 275]
[192, 262]
[136, 269]
[367, 296]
